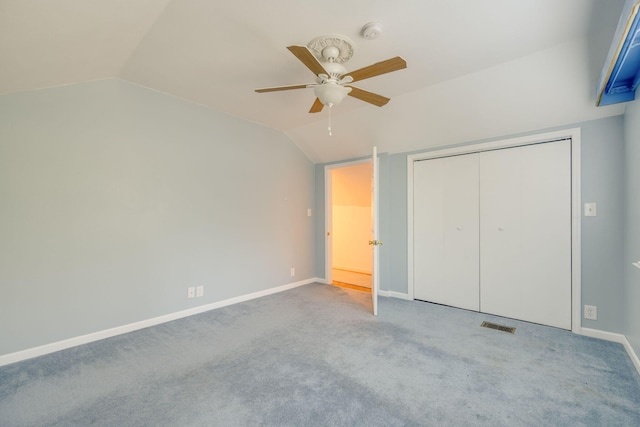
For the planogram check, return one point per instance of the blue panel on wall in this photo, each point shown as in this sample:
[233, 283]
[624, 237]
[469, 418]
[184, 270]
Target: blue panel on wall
[621, 84]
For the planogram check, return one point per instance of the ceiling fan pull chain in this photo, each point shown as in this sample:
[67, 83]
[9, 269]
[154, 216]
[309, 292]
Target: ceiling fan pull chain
[330, 105]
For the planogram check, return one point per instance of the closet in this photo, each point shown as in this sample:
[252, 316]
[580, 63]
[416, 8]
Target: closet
[492, 232]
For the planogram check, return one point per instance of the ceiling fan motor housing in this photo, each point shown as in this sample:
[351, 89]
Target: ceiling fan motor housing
[330, 53]
[334, 69]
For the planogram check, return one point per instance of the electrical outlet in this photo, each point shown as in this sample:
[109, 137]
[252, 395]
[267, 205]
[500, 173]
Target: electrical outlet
[293, 271]
[591, 312]
[191, 292]
[200, 291]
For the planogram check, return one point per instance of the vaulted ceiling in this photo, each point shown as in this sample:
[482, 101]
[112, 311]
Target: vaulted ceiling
[476, 68]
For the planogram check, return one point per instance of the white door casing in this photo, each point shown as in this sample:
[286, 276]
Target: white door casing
[573, 136]
[328, 217]
[375, 285]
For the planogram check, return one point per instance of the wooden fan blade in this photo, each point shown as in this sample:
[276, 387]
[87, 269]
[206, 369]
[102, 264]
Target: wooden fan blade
[370, 97]
[306, 57]
[317, 106]
[393, 64]
[275, 89]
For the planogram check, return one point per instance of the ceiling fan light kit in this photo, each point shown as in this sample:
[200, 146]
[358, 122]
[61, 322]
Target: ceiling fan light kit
[331, 94]
[324, 56]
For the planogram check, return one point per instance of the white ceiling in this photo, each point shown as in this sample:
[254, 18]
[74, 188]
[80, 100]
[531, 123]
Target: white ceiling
[476, 68]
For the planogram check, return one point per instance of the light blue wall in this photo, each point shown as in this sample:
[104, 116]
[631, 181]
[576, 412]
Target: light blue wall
[602, 177]
[632, 224]
[114, 199]
[397, 239]
[385, 212]
[602, 237]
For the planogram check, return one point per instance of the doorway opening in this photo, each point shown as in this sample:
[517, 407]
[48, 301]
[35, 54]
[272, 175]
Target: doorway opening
[350, 224]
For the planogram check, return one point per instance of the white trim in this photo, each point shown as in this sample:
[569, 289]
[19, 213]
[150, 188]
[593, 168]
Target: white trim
[576, 233]
[632, 354]
[574, 135]
[393, 294]
[410, 290]
[619, 338]
[495, 145]
[352, 269]
[603, 335]
[328, 226]
[18, 356]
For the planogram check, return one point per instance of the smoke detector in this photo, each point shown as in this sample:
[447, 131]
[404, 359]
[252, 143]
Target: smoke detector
[371, 31]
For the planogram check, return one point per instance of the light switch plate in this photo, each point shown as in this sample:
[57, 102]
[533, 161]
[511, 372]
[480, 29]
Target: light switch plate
[590, 209]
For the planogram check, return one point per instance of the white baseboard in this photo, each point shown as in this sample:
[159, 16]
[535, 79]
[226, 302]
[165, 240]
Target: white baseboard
[603, 335]
[394, 294]
[352, 269]
[18, 356]
[632, 354]
[619, 338]
[382, 293]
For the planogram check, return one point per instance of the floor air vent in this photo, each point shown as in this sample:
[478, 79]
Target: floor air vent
[498, 327]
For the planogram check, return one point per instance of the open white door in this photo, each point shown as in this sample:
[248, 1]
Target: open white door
[375, 241]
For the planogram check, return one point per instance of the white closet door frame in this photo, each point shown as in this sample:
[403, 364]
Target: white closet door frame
[574, 135]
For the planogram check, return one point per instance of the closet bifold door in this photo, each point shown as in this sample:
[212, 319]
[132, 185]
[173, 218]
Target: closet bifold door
[446, 231]
[525, 245]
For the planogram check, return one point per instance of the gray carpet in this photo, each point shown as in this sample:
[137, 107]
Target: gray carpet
[314, 356]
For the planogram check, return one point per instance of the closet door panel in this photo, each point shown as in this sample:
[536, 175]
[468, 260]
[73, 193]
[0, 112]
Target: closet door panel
[446, 227]
[525, 210]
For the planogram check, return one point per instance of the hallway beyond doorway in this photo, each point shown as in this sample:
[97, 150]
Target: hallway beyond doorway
[352, 279]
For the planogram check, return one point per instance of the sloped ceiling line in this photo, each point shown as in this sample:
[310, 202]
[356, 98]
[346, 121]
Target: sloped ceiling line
[215, 53]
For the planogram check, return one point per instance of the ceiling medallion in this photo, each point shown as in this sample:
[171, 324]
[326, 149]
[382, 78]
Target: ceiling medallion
[342, 48]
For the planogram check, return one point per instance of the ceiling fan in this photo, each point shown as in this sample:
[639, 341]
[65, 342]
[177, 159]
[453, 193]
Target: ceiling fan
[324, 56]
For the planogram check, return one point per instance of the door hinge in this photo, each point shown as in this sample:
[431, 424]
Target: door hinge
[375, 242]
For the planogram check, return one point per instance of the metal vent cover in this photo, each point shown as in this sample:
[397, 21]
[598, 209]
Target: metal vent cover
[502, 328]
